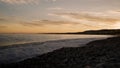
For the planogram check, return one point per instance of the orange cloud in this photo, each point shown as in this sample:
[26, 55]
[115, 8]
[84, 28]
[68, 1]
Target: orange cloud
[3, 19]
[90, 17]
[2, 26]
[47, 22]
[100, 19]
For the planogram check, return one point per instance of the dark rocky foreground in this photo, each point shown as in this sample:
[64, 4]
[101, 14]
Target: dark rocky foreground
[97, 54]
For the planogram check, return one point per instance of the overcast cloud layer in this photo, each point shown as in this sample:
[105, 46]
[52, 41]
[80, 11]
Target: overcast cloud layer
[50, 15]
[23, 1]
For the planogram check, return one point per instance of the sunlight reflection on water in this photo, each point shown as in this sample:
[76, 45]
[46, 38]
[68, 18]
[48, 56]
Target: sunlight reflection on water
[9, 39]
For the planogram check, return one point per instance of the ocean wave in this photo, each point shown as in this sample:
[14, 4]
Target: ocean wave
[18, 52]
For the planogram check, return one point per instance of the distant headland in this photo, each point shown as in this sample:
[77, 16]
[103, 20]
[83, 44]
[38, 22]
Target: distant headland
[96, 32]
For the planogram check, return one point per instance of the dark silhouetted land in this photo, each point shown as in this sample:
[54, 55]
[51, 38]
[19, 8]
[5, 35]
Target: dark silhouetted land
[95, 32]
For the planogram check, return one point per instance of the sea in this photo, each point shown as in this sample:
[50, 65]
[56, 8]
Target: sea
[11, 39]
[18, 47]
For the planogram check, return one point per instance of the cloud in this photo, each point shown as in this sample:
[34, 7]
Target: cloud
[117, 25]
[55, 8]
[104, 20]
[2, 26]
[3, 19]
[19, 1]
[52, 0]
[92, 18]
[40, 23]
[58, 25]
[86, 16]
[23, 1]
[8, 20]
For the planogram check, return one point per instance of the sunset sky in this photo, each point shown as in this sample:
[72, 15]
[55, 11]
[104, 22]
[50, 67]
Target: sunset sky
[44, 16]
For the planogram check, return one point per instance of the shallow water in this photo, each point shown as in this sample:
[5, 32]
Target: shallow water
[17, 47]
[10, 39]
